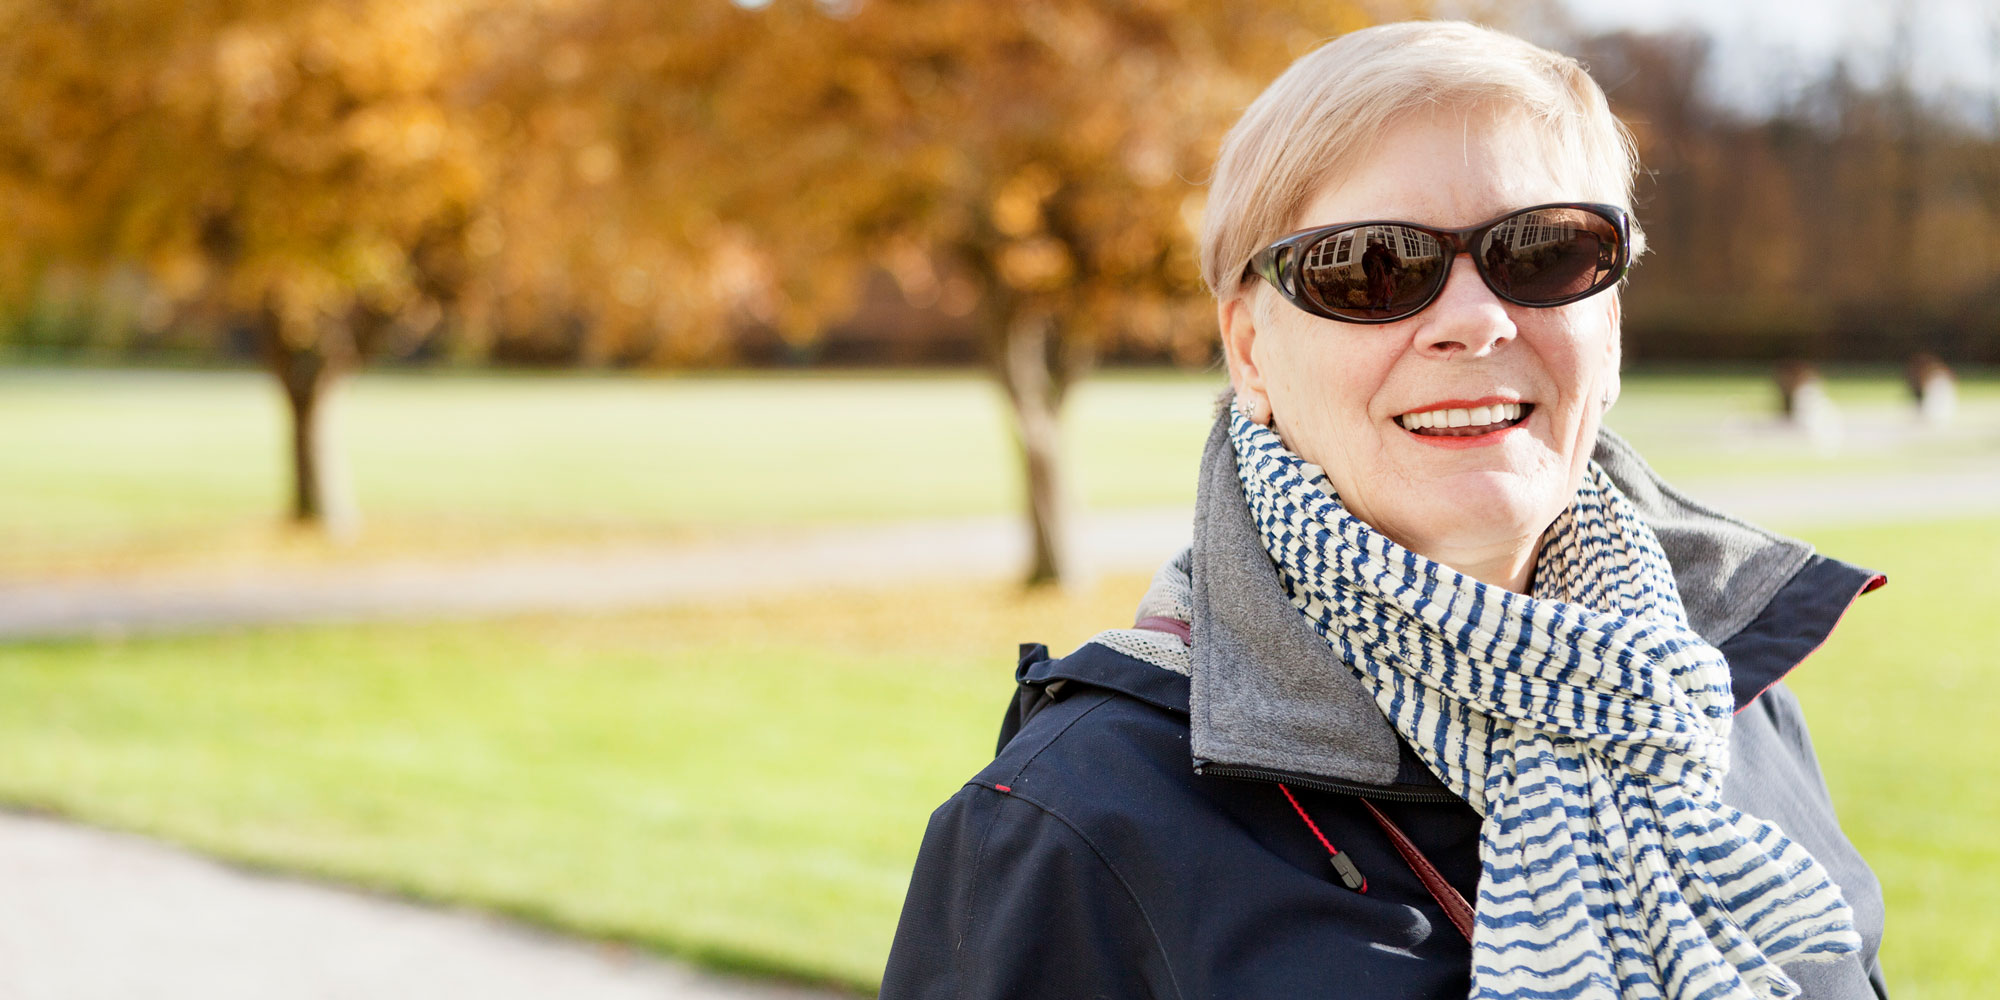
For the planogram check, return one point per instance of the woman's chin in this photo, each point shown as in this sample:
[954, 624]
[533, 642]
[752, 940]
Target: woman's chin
[1476, 509]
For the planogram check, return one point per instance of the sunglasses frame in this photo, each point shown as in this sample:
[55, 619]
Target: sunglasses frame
[1274, 263]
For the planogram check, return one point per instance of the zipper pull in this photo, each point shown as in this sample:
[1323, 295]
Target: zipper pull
[1350, 876]
[1343, 866]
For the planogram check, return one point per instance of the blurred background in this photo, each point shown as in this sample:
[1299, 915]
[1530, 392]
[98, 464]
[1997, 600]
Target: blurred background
[591, 461]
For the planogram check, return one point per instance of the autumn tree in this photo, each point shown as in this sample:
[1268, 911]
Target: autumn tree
[1043, 158]
[610, 216]
[305, 171]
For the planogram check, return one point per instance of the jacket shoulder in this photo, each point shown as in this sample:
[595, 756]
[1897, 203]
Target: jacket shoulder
[1012, 896]
[1092, 730]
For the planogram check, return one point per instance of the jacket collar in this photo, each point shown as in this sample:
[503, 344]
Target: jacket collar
[1266, 691]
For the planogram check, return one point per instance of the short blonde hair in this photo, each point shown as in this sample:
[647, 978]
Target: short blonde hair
[1320, 118]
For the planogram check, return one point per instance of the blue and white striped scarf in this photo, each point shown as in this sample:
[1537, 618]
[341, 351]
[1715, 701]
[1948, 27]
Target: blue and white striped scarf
[1588, 725]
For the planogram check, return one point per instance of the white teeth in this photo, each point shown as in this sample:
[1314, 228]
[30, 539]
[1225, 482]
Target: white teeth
[1478, 416]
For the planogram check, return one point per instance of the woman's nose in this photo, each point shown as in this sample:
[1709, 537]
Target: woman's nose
[1467, 319]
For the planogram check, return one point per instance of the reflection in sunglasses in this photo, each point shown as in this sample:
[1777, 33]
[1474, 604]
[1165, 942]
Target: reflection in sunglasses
[1382, 269]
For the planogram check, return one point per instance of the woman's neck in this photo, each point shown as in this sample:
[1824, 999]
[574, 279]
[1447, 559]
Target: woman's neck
[1509, 564]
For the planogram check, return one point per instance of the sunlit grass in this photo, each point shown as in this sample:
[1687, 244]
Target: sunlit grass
[742, 785]
[1900, 702]
[108, 471]
[747, 784]
[115, 471]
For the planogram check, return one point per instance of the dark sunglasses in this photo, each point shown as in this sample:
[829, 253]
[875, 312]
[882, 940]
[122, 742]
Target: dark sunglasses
[1380, 272]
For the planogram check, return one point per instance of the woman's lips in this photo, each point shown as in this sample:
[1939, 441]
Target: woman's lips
[1470, 425]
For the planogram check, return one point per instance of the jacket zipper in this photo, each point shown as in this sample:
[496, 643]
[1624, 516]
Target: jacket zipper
[1322, 784]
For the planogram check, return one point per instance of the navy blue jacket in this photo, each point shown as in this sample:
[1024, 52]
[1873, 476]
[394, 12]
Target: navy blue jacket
[1102, 855]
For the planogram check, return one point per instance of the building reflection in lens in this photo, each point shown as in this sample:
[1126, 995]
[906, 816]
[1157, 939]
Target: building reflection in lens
[1370, 270]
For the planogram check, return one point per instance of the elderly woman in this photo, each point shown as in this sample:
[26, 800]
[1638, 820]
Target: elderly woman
[1451, 695]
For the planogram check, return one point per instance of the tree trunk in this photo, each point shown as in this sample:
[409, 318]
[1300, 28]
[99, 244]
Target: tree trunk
[321, 497]
[1034, 397]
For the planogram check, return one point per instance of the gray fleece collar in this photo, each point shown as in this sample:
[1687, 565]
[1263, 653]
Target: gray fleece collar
[1268, 692]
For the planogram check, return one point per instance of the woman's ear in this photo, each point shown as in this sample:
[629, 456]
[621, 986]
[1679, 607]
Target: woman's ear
[1239, 334]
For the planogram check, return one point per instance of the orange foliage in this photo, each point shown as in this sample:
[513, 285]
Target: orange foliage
[640, 168]
[284, 159]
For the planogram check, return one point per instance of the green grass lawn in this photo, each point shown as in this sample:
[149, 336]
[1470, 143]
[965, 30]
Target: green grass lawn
[1900, 701]
[114, 470]
[747, 784]
[742, 785]
[107, 471]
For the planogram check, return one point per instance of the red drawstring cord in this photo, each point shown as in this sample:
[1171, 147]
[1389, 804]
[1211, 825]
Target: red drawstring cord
[1343, 865]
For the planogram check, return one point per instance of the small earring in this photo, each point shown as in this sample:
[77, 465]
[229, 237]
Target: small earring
[1254, 410]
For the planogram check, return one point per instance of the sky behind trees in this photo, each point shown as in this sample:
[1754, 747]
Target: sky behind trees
[1766, 51]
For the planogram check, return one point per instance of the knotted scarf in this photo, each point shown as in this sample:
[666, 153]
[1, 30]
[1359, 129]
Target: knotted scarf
[1588, 725]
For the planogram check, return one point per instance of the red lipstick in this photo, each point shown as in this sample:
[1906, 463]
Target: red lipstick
[1457, 441]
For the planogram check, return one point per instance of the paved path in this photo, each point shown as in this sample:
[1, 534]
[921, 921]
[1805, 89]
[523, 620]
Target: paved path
[847, 557]
[638, 576]
[90, 915]
[1793, 504]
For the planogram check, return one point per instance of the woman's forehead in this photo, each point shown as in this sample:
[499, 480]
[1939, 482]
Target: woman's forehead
[1449, 170]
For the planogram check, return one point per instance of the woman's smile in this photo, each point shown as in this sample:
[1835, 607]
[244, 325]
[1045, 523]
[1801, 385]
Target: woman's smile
[1471, 423]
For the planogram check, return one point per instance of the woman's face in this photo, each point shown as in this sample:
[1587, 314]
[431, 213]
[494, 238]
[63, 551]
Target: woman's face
[1338, 392]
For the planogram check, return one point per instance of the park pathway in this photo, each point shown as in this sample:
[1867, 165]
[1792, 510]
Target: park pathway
[776, 562]
[791, 561]
[91, 915]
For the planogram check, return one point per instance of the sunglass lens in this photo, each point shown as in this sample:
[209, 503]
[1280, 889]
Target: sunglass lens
[1372, 272]
[1550, 255]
